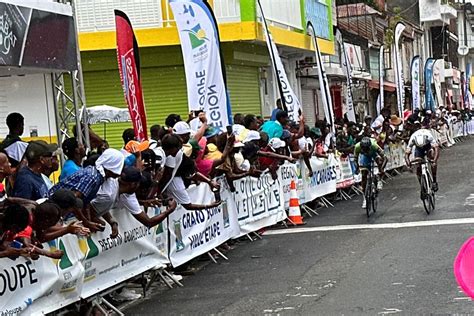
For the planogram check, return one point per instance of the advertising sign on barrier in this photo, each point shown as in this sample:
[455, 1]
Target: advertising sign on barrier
[259, 202]
[286, 173]
[322, 180]
[109, 261]
[42, 285]
[193, 233]
[345, 176]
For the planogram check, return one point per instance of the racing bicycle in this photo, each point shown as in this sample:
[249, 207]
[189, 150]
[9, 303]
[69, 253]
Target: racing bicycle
[427, 194]
[371, 191]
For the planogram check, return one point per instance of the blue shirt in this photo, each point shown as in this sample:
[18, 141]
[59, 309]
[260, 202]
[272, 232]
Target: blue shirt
[29, 185]
[87, 181]
[274, 114]
[69, 168]
[272, 129]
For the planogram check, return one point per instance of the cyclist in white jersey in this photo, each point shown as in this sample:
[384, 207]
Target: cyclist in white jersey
[425, 145]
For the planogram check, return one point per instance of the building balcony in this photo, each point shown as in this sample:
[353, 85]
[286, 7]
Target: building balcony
[436, 11]
[239, 20]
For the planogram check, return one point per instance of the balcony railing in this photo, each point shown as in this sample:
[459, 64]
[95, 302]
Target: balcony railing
[98, 15]
[284, 13]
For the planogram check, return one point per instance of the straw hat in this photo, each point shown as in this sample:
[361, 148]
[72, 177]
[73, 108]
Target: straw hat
[395, 120]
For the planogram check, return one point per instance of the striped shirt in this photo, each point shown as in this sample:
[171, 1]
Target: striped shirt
[87, 181]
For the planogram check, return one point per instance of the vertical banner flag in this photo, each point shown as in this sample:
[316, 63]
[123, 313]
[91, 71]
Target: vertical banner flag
[438, 67]
[380, 99]
[429, 98]
[205, 74]
[415, 82]
[398, 68]
[467, 92]
[348, 72]
[463, 90]
[129, 67]
[288, 97]
[323, 81]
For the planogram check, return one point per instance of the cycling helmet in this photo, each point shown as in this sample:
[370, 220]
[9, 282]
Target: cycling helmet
[365, 143]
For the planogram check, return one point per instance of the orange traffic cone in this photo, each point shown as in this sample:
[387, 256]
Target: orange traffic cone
[294, 215]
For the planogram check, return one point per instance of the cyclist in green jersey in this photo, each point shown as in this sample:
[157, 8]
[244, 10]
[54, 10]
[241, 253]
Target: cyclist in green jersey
[365, 152]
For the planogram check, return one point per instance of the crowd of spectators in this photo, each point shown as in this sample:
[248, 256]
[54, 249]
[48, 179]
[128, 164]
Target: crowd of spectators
[156, 172]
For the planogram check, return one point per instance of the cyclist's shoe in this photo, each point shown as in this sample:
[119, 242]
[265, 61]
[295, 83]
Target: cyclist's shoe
[364, 203]
[435, 186]
[379, 185]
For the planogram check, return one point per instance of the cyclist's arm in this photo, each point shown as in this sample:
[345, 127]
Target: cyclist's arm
[381, 153]
[408, 151]
[356, 156]
[435, 147]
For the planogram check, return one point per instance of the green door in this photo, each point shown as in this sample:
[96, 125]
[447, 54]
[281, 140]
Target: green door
[164, 90]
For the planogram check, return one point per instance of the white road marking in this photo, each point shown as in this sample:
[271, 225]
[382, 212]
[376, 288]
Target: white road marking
[469, 200]
[462, 298]
[390, 311]
[442, 222]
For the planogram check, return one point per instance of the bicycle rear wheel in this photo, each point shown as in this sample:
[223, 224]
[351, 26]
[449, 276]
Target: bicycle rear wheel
[374, 198]
[368, 196]
[428, 199]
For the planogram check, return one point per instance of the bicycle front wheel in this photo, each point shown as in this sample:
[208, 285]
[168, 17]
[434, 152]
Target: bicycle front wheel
[374, 198]
[368, 197]
[427, 198]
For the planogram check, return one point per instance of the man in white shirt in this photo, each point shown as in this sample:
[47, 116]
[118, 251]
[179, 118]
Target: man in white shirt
[378, 122]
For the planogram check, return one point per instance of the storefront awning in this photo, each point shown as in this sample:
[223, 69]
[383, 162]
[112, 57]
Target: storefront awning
[387, 85]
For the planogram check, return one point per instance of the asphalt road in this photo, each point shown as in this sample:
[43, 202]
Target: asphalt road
[328, 268]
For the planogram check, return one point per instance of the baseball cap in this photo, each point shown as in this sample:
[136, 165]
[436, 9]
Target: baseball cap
[251, 136]
[133, 146]
[211, 131]
[131, 174]
[65, 199]
[316, 131]
[40, 148]
[276, 143]
[194, 144]
[181, 128]
[238, 144]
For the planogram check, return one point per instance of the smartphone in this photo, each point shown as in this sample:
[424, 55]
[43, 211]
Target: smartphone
[17, 245]
[197, 112]
[229, 129]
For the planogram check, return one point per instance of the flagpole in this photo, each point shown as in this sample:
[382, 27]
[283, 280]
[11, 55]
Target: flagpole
[272, 57]
[323, 80]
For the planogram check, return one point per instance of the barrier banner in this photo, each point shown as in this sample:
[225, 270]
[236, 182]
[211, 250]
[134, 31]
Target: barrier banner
[345, 176]
[193, 233]
[44, 285]
[322, 180]
[109, 261]
[286, 173]
[259, 202]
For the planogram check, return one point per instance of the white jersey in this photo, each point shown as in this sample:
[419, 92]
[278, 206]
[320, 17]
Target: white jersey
[422, 138]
